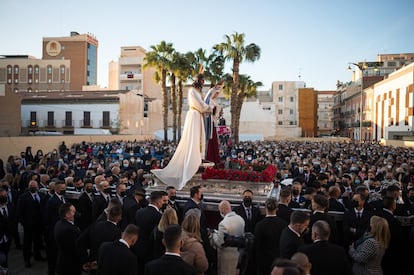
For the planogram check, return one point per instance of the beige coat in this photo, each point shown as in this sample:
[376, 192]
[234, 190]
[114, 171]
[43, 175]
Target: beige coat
[227, 257]
[193, 253]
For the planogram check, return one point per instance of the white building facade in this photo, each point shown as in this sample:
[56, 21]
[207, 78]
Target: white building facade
[394, 104]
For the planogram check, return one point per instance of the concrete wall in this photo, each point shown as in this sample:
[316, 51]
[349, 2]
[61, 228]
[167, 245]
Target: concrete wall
[15, 145]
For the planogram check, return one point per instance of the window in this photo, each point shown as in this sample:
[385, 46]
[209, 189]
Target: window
[33, 119]
[279, 123]
[291, 111]
[51, 119]
[30, 69]
[291, 123]
[280, 87]
[36, 70]
[280, 99]
[68, 119]
[292, 99]
[62, 70]
[9, 69]
[280, 112]
[86, 119]
[49, 70]
[146, 109]
[16, 69]
[105, 119]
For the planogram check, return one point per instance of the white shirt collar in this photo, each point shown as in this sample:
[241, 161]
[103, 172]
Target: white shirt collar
[173, 254]
[124, 242]
[294, 231]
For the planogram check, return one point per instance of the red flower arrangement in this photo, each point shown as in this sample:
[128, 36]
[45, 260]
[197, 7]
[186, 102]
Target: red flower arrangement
[239, 170]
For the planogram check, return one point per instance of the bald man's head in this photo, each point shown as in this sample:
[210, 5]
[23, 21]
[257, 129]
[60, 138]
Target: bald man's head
[224, 207]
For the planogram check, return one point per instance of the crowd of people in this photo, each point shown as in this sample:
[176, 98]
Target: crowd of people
[116, 226]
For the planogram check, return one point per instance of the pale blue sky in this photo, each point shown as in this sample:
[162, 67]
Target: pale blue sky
[314, 37]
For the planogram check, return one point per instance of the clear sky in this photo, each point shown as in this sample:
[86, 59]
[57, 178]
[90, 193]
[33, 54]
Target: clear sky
[313, 38]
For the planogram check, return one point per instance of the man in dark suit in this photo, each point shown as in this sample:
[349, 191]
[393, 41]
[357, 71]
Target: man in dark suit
[298, 200]
[393, 261]
[283, 209]
[320, 205]
[6, 212]
[267, 238]
[171, 262]
[85, 206]
[291, 237]
[12, 198]
[326, 258]
[250, 213]
[50, 218]
[101, 199]
[66, 234]
[356, 220]
[30, 216]
[146, 219]
[116, 258]
[334, 194]
[172, 195]
[132, 204]
[98, 233]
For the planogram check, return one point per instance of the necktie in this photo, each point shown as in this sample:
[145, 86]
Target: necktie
[4, 212]
[249, 214]
[358, 215]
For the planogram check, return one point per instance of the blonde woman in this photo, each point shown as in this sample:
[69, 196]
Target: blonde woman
[169, 217]
[368, 254]
[192, 250]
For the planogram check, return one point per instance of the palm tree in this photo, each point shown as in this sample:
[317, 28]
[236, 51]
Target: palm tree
[159, 57]
[234, 50]
[183, 73]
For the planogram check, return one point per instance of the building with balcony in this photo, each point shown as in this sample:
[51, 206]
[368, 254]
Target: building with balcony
[326, 102]
[286, 100]
[393, 105]
[348, 101]
[120, 112]
[82, 52]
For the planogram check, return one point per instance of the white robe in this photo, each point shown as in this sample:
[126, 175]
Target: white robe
[191, 149]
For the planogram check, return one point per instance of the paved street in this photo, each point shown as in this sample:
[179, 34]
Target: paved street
[16, 264]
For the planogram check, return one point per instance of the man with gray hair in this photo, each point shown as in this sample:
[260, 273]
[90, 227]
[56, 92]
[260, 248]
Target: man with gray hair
[326, 257]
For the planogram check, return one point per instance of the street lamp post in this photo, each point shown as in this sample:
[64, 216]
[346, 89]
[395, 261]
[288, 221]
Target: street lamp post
[361, 67]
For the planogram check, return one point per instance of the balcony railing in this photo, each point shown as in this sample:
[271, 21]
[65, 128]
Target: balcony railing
[86, 123]
[68, 123]
[49, 123]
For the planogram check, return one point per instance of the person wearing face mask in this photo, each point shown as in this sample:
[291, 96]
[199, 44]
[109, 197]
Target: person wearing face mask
[172, 196]
[29, 215]
[85, 205]
[248, 211]
[356, 219]
[101, 199]
[232, 224]
[50, 217]
[120, 192]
